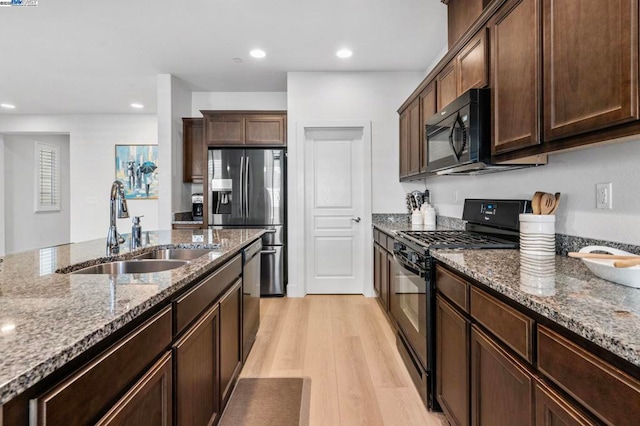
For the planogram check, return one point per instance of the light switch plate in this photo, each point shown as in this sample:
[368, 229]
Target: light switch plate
[604, 197]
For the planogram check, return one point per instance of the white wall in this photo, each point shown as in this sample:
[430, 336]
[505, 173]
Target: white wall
[24, 228]
[575, 175]
[364, 96]
[174, 103]
[268, 101]
[92, 140]
[2, 227]
[180, 107]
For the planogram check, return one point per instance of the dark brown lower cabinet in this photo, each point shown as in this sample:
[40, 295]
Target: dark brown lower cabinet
[230, 339]
[385, 260]
[606, 391]
[501, 386]
[86, 395]
[377, 256]
[381, 275]
[553, 410]
[148, 402]
[196, 372]
[452, 362]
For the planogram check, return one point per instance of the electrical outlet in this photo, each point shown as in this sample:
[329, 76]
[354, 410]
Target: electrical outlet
[604, 197]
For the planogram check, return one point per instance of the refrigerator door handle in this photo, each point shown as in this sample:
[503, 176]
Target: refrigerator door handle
[246, 187]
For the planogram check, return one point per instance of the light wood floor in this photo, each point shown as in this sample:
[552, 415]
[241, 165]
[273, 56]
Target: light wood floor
[347, 348]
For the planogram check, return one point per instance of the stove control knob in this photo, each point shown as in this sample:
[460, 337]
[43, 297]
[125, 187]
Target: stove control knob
[414, 258]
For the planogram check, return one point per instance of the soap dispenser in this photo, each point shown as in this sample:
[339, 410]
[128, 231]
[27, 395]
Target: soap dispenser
[136, 233]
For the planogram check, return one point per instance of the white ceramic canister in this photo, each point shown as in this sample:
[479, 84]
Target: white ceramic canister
[429, 216]
[537, 235]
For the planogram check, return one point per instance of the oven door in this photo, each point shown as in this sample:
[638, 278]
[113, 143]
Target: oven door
[409, 306]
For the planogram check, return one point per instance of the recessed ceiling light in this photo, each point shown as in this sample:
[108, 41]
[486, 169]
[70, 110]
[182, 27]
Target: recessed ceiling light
[136, 105]
[8, 106]
[257, 53]
[237, 60]
[344, 53]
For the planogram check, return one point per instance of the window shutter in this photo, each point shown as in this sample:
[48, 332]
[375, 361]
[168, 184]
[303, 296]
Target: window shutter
[47, 177]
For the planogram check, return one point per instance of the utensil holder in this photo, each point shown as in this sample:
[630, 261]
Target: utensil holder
[537, 236]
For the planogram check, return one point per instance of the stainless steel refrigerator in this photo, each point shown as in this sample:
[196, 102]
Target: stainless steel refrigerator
[248, 190]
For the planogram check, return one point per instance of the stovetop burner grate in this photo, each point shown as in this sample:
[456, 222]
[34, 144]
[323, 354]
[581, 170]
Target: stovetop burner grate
[456, 239]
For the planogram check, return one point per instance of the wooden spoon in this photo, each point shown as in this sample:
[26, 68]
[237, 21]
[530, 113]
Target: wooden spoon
[547, 203]
[603, 256]
[557, 203]
[535, 202]
[626, 263]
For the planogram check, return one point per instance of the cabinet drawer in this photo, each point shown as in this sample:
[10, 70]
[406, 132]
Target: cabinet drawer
[609, 393]
[380, 238]
[195, 301]
[86, 394]
[453, 287]
[376, 236]
[512, 327]
[390, 241]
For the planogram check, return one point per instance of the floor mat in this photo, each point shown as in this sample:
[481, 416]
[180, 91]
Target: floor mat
[269, 401]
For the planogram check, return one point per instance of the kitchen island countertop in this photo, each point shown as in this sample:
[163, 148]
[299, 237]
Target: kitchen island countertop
[49, 318]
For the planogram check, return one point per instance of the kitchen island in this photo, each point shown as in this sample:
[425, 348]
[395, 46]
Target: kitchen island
[52, 322]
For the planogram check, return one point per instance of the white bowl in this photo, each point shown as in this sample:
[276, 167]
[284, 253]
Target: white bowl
[604, 268]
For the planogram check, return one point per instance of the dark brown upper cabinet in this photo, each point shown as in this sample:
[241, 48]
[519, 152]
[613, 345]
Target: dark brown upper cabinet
[267, 130]
[515, 77]
[590, 65]
[224, 129]
[460, 15]
[415, 149]
[472, 65]
[245, 128]
[428, 107]
[193, 150]
[404, 144]
[446, 85]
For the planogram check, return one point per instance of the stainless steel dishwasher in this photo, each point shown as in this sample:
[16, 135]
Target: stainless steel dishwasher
[250, 296]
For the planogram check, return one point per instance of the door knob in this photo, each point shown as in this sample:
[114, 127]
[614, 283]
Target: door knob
[356, 219]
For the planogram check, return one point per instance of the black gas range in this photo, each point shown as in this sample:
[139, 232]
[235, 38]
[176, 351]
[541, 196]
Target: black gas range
[490, 224]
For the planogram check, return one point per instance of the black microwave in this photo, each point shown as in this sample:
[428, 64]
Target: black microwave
[458, 137]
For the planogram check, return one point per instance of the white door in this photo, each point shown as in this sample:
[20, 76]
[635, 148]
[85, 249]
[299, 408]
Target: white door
[334, 200]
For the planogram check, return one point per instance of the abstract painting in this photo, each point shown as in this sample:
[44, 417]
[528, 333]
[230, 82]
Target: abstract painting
[137, 169]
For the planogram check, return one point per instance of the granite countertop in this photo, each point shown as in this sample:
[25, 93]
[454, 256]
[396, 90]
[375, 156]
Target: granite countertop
[396, 222]
[602, 312]
[49, 318]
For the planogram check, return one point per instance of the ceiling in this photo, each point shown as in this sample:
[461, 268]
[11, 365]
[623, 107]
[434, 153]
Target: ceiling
[79, 56]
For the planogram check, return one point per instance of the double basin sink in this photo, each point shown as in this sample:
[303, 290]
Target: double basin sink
[154, 261]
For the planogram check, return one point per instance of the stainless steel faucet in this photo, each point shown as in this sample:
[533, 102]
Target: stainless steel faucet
[118, 208]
